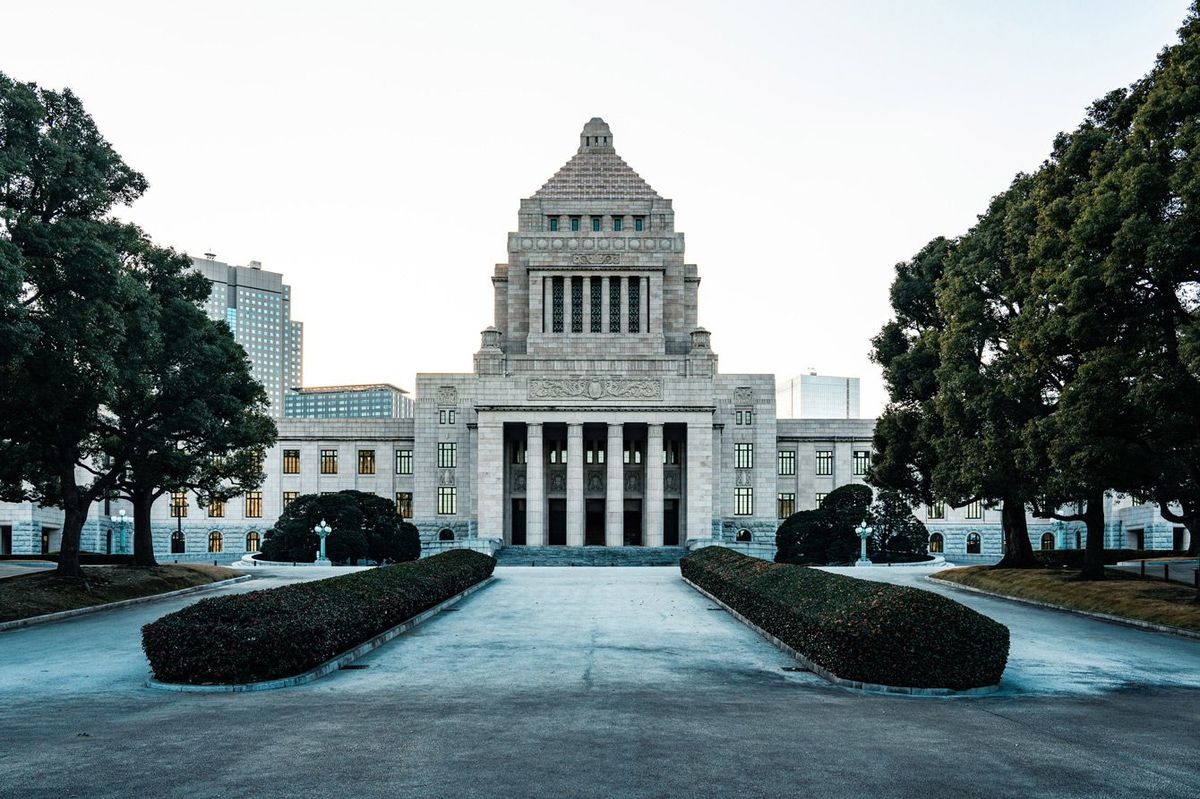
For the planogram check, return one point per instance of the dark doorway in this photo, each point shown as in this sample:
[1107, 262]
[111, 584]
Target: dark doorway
[1179, 540]
[671, 522]
[6, 540]
[45, 541]
[108, 542]
[633, 522]
[593, 522]
[557, 532]
[518, 522]
[178, 544]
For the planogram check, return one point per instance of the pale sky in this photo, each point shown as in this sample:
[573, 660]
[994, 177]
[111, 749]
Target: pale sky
[375, 153]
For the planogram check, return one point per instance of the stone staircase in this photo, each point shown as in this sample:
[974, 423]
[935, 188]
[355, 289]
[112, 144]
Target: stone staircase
[589, 556]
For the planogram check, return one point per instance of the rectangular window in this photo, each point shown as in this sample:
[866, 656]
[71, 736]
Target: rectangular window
[216, 509]
[366, 461]
[975, 510]
[639, 223]
[289, 497]
[787, 462]
[635, 305]
[329, 461]
[633, 452]
[404, 461]
[744, 455]
[291, 461]
[447, 503]
[253, 504]
[179, 504]
[824, 462]
[575, 224]
[556, 305]
[614, 305]
[596, 224]
[671, 453]
[446, 416]
[936, 511]
[554, 224]
[518, 452]
[743, 501]
[594, 452]
[862, 462]
[821, 499]
[787, 505]
[447, 455]
[404, 504]
[576, 305]
[617, 224]
[596, 288]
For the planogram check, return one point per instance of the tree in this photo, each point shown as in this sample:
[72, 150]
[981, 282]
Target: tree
[363, 525]
[63, 254]
[826, 534]
[187, 414]
[896, 531]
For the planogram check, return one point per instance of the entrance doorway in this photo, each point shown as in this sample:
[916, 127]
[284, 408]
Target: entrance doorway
[45, 541]
[518, 522]
[593, 522]
[671, 522]
[6, 540]
[633, 523]
[557, 517]
[1135, 539]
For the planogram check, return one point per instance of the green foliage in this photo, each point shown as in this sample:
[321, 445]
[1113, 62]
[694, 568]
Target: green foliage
[280, 632]
[364, 525]
[825, 535]
[856, 629]
[896, 530]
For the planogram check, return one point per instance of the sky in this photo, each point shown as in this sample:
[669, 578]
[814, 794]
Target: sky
[376, 153]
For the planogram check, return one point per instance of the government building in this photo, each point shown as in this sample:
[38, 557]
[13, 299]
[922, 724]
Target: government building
[596, 414]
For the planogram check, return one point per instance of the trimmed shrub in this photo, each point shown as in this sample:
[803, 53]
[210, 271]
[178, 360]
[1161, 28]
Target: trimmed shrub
[857, 629]
[280, 632]
[364, 525]
[1073, 558]
[826, 534]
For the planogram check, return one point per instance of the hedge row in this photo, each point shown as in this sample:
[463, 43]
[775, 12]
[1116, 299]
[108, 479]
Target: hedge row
[859, 630]
[1073, 558]
[280, 632]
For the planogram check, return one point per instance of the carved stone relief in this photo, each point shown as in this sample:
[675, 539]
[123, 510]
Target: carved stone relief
[447, 395]
[595, 388]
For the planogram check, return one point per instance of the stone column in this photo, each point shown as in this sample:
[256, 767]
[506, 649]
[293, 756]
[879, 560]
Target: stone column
[654, 485]
[575, 484]
[489, 489]
[699, 480]
[614, 494]
[535, 487]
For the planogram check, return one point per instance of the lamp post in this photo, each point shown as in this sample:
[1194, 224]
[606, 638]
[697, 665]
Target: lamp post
[120, 521]
[322, 530]
[864, 532]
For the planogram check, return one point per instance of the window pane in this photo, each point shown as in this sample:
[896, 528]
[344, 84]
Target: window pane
[614, 305]
[576, 305]
[556, 308]
[635, 305]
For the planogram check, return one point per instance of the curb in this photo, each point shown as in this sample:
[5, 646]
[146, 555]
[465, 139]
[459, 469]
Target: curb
[868, 687]
[328, 666]
[1144, 625]
[121, 603]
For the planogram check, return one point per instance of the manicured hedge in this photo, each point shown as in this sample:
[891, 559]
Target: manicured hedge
[1073, 558]
[857, 629]
[280, 632]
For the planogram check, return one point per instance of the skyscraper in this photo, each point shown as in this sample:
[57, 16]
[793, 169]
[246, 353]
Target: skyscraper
[257, 306]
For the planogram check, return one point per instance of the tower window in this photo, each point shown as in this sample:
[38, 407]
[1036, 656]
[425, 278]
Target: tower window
[553, 224]
[595, 224]
[635, 305]
[576, 305]
[639, 223]
[596, 286]
[575, 224]
[617, 223]
[556, 312]
[614, 305]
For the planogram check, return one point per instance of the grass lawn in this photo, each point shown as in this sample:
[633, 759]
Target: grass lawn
[1122, 594]
[28, 595]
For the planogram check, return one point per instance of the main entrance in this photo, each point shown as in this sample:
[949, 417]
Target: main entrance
[633, 523]
[593, 522]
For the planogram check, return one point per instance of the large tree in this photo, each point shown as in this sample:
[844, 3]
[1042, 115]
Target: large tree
[63, 254]
[186, 414]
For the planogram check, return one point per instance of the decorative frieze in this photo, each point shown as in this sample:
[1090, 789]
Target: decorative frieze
[447, 395]
[594, 388]
[596, 259]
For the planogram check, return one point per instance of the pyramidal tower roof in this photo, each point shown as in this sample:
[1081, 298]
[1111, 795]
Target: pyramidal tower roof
[596, 172]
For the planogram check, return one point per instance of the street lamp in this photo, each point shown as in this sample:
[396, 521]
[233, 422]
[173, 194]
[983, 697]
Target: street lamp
[322, 530]
[864, 532]
[120, 521]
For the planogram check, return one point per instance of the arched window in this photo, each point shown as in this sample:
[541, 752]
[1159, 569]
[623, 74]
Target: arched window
[1047, 540]
[974, 544]
[252, 541]
[744, 535]
[445, 534]
[215, 542]
[177, 543]
[937, 544]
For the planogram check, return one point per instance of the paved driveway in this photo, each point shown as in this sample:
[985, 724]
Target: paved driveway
[589, 682]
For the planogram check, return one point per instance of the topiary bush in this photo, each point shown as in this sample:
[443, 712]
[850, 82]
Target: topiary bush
[280, 632]
[826, 534]
[857, 629]
[364, 525]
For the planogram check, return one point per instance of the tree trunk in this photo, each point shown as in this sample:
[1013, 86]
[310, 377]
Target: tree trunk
[1018, 552]
[143, 534]
[73, 518]
[1093, 553]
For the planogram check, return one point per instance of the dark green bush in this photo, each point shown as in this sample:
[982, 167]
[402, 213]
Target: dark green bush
[857, 629]
[826, 534]
[1073, 558]
[364, 525]
[284, 631]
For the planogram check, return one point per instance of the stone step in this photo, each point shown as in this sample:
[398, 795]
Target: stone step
[589, 556]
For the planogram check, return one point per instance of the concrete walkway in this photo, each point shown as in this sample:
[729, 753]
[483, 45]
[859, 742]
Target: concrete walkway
[605, 682]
